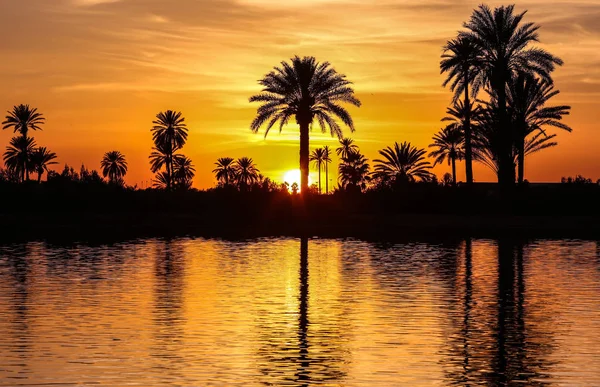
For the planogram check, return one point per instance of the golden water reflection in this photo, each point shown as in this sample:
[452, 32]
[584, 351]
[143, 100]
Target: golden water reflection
[300, 313]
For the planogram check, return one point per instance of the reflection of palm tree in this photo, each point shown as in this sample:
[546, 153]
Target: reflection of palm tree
[305, 90]
[225, 170]
[114, 166]
[169, 134]
[449, 144]
[502, 43]
[346, 147]
[318, 157]
[403, 162]
[304, 360]
[327, 160]
[246, 172]
[354, 171]
[460, 60]
[17, 157]
[41, 158]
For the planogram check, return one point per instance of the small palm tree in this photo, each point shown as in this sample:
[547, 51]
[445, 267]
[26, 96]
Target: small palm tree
[307, 91]
[327, 160]
[246, 172]
[169, 134]
[17, 157]
[449, 145]
[183, 172]
[225, 171]
[354, 171]
[41, 158]
[347, 146]
[114, 166]
[403, 162]
[318, 158]
[22, 119]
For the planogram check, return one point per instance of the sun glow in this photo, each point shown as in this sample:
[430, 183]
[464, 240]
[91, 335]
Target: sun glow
[293, 176]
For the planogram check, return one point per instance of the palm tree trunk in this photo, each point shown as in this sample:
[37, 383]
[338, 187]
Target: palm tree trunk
[506, 165]
[39, 178]
[326, 177]
[467, 128]
[453, 170]
[304, 130]
[319, 166]
[169, 168]
[521, 160]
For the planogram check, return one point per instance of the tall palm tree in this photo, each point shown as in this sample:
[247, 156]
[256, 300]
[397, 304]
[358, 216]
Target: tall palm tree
[246, 172]
[318, 158]
[22, 119]
[449, 145]
[114, 166]
[354, 171]
[527, 98]
[327, 160]
[169, 134]
[308, 91]
[17, 157]
[503, 45]
[403, 162]
[225, 171]
[346, 147]
[41, 158]
[461, 61]
[183, 172]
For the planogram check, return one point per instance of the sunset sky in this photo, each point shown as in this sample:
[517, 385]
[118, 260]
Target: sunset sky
[100, 70]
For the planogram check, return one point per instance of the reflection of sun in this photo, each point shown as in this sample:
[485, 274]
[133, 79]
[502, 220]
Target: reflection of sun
[293, 176]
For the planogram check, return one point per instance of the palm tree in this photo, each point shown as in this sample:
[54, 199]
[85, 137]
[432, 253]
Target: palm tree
[403, 162]
[461, 61]
[346, 147]
[308, 91]
[169, 134]
[23, 118]
[17, 157]
[327, 161]
[527, 98]
[41, 158]
[449, 145]
[502, 42]
[183, 172]
[318, 158]
[354, 171]
[225, 171]
[246, 172]
[114, 166]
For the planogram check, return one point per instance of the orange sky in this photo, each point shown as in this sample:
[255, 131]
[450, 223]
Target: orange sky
[100, 70]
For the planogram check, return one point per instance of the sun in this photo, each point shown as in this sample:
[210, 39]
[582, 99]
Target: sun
[293, 176]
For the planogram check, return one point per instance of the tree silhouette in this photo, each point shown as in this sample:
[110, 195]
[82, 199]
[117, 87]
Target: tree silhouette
[22, 119]
[346, 147]
[449, 145]
[169, 134]
[225, 171]
[318, 158]
[246, 172]
[308, 91]
[461, 61]
[327, 160]
[114, 166]
[41, 158]
[502, 42]
[183, 172]
[354, 171]
[17, 157]
[403, 162]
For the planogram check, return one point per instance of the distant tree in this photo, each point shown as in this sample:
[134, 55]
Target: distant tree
[41, 158]
[327, 160]
[17, 157]
[402, 162]
[448, 180]
[307, 91]
[225, 171]
[347, 146]
[246, 172]
[169, 134]
[318, 158]
[295, 188]
[114, 166]
[449, 146]
[354, 171]
[183, 172]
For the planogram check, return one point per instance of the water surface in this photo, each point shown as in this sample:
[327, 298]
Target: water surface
[300, 313]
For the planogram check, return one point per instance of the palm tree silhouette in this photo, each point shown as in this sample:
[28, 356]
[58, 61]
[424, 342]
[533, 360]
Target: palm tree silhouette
[327, 160]
[22, 119]
[318, 157]
[183, 172]
[461, 61]
[17, 157]
[306, 90]
[403, 162]
[346, 147]
[41, 158]
[225, 171]
[169, 134]
[503, 45]
[527, 98]
[246, 172]
[354, 171]
[114, 166]
[449, 145]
